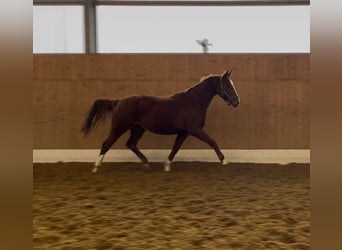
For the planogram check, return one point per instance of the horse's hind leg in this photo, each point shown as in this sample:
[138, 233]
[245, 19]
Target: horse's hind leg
[176, 146]
[136, 134]
[106, 145]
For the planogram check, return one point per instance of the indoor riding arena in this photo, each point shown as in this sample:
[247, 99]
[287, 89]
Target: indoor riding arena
[259, 200]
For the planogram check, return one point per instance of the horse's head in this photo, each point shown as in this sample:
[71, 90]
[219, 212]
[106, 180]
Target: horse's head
[227, 91]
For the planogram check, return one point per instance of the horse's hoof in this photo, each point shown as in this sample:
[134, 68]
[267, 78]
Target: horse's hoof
[94, 170]
[225, 162]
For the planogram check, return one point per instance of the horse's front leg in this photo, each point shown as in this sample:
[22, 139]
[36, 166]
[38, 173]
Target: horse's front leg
[202, 135]
[176, 146]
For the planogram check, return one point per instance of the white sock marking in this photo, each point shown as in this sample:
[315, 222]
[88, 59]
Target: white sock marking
[225, 162]
[167, 165]
[99, 161]
[97, 164]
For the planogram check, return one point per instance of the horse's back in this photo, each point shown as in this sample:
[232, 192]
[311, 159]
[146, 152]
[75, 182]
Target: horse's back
[137, 106]
[155, 114]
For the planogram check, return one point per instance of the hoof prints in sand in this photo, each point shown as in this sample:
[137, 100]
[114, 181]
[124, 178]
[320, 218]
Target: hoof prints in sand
[196, 206]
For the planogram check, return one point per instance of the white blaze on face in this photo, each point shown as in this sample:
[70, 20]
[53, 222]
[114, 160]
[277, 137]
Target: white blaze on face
[232, 83]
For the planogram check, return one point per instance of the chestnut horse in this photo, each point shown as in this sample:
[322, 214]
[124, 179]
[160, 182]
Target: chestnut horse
[183, 114]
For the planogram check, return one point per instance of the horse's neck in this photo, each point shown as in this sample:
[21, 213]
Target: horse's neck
[203, 93]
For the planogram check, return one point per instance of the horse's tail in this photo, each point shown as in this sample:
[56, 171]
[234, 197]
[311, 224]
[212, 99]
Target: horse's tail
[101, 110]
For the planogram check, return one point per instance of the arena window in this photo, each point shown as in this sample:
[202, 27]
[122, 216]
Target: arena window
[58, 29]
[173, 26]
[175, 29]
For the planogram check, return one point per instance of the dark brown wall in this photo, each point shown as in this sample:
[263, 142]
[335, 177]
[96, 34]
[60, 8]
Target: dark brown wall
[274, 92]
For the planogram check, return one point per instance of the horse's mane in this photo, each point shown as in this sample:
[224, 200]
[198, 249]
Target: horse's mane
[202, 80]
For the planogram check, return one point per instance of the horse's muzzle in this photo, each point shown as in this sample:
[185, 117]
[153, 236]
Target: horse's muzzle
[234, 101]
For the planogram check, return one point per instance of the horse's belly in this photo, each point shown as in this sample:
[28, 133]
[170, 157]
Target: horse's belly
[164, 130]
[161, 118]
[161, 126]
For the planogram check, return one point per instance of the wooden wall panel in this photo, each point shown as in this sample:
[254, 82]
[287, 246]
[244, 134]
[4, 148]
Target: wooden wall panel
[274, 92]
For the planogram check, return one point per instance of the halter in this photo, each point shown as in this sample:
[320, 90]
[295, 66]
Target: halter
[224, 92]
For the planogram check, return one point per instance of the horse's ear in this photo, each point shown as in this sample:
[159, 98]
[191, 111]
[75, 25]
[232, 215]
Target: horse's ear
[229, 72]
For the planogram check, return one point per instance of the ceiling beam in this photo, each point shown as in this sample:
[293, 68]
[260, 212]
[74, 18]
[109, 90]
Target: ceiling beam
[176, 3]
[90, 26]
[58, 2]
[203, 2]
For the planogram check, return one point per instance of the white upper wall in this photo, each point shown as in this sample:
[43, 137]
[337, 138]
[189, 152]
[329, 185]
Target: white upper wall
[175, 29]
